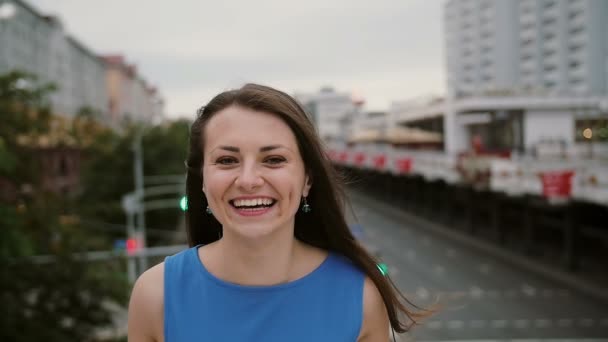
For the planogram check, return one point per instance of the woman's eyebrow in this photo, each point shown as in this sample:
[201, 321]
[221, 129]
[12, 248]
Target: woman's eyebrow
[229, 148]
[262, 149]
[270, 148]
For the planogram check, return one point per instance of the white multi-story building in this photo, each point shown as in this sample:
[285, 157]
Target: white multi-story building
[331, 112]
[38, 44]
[541, 47]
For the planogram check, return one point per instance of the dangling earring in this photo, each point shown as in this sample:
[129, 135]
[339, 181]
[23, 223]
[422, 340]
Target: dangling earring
[208, 210]
[305, 207]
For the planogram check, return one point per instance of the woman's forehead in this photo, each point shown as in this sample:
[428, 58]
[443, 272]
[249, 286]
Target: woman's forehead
[243, 126]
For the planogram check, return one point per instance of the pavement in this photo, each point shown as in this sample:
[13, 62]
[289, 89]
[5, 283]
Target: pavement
[484, 292]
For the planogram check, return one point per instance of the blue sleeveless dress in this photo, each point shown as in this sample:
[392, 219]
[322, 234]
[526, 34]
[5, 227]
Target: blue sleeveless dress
[325, 305]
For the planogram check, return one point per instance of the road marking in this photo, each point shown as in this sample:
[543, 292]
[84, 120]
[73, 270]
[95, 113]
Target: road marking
[422, 293]
[434, 325]
[476, 292]
[478, 324]
[455, 324]
[542, 323]
[499, 323]
[521, 323]
[586, 322]
[528, 290]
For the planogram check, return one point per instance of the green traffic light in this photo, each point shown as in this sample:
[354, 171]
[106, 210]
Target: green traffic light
[383, 268]
[183, 203]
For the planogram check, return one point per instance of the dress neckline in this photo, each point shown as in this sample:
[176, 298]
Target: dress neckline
[296, 282]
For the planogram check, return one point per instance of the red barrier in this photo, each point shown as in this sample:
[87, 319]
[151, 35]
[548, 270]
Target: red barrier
[404, 165]
[359, 158]
[557, 184]
[379, 161]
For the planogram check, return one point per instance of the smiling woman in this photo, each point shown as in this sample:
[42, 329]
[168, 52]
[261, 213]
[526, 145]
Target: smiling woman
[271, 257]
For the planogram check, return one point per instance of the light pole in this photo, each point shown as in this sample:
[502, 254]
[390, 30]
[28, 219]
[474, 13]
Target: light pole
[138, 173]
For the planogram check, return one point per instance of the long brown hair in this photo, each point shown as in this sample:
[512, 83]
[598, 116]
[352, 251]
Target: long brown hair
[325, 226]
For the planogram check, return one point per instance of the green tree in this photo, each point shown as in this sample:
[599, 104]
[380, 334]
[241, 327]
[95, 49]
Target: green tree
[63, 298]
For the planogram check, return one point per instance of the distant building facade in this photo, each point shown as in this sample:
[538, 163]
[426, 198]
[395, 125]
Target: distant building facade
[38, 44]
[330, 112]
[543, 47]
[129, 96]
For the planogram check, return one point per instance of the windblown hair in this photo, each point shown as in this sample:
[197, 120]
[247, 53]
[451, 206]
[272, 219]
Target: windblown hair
[324, 227]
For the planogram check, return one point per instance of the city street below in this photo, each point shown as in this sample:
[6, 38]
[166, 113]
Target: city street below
[478, 296]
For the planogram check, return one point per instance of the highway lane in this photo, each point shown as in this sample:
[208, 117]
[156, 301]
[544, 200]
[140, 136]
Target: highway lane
[480, 297]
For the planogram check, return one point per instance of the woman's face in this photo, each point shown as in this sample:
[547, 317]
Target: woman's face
[253, 174]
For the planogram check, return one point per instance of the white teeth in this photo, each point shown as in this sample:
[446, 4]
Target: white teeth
[252, 202]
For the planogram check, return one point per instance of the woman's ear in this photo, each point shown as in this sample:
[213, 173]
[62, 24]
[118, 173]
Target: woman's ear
[307, 185]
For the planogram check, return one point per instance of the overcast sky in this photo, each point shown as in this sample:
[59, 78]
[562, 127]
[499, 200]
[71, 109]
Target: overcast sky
[384, 50]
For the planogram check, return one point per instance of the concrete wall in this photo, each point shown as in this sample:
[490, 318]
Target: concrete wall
[547, 125]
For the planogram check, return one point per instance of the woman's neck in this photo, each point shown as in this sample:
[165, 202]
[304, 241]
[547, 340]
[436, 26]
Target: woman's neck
[266, 261]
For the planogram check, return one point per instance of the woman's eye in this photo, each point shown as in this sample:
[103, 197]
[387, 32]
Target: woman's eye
[274, 160]
[226, 161]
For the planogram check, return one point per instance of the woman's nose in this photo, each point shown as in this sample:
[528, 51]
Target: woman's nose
[249, 178]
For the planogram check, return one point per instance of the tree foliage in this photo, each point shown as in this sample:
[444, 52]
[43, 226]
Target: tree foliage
[61, 298]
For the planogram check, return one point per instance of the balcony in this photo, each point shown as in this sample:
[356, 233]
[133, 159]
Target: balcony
[550, 46]
[528, 65]
[527, 6]
[527, 54]
[551, 10]
[527, 18]
[579, 87]
[576, 6]
[577, 23]
[577, 42]
[487, 63]
[528, 34]
[577, 74]
[576, 54]
[551, 78]
[550, 61]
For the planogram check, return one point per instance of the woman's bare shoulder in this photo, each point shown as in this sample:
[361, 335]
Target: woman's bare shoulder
[146, 306]
[375, 317]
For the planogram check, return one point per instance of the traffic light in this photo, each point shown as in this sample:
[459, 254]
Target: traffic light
[183, 203]
[383, 268]
[132, 246]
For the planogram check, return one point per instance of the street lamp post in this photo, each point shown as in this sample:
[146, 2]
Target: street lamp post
[138, 172]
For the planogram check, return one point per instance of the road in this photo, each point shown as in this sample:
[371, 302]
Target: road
[480, 297]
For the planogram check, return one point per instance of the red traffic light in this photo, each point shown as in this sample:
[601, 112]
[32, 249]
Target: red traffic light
[132, 246]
